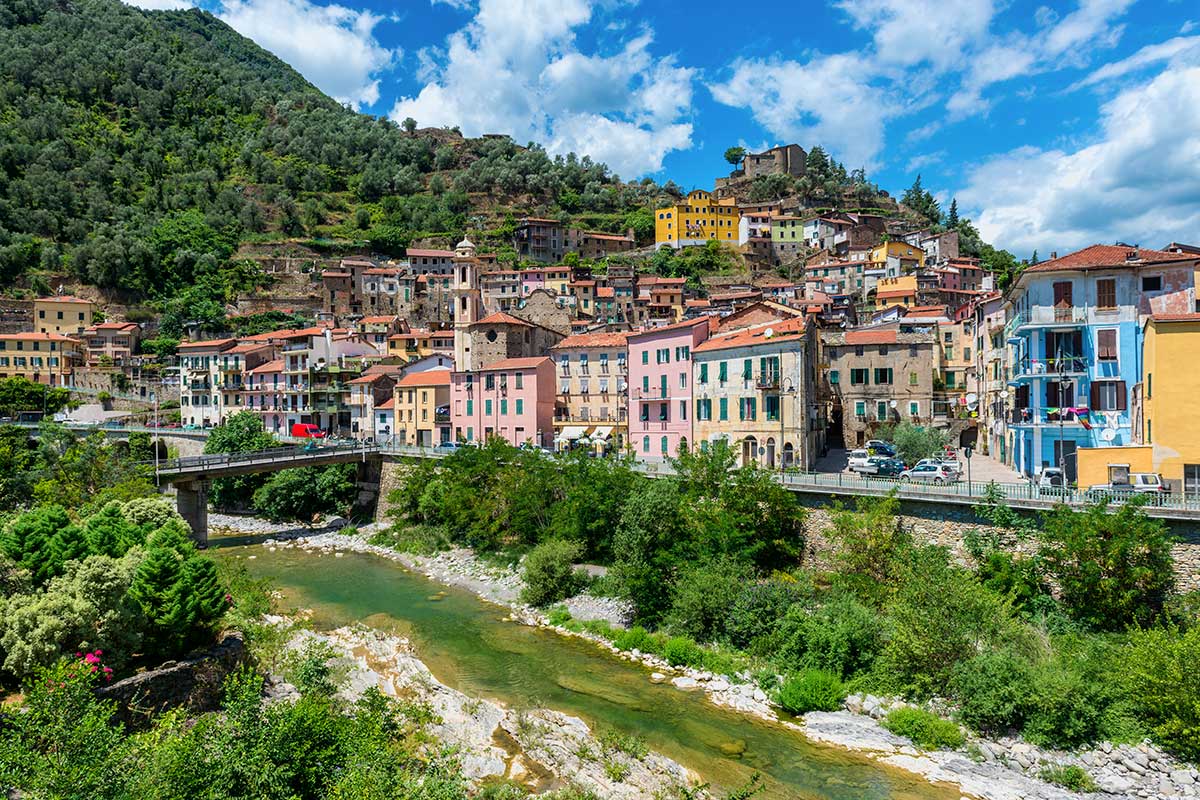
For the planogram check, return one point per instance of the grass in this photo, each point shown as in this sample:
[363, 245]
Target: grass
[811, 690]
[630, 744]
[420, 539]
[927, 730]
[616, 771]
[1068, 776]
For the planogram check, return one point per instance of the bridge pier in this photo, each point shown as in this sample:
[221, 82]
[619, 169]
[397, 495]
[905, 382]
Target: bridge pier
[191, 498]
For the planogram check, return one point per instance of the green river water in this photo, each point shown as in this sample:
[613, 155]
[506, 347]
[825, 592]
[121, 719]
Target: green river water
[468, 645]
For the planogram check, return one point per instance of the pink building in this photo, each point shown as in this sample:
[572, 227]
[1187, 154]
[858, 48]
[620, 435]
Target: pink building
[512, 398]
[264, 394]
[660, 388]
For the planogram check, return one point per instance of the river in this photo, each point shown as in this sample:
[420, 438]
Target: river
[468, 645]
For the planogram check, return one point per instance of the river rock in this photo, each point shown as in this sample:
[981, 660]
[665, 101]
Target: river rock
[685, 682]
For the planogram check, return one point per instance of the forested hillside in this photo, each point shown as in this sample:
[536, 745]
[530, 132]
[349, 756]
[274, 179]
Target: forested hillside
[137, 149]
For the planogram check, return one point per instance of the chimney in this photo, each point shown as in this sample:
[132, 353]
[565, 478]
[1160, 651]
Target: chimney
[1131, 255]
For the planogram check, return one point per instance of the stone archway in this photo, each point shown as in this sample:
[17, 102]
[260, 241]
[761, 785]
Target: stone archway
[789, 456]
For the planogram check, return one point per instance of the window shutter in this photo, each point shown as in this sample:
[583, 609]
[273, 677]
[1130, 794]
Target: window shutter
[1095, 395]
[1052, 394]
[1121, 399]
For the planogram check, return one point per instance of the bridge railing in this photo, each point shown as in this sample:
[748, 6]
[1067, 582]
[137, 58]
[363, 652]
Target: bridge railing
[274, 455]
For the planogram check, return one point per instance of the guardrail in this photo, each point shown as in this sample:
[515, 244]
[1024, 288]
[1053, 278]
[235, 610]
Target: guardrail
[272, 456]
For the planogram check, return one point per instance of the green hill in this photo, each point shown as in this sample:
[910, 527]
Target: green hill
[138, 149]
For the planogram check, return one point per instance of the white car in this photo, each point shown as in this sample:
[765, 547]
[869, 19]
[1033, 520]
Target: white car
[926, 472]
[953, 466]
[859, 461]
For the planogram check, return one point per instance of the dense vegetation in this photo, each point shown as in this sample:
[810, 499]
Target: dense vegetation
[139, 148]
[715, 555]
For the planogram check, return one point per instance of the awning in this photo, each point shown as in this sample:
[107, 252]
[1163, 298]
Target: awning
[571, 432]
[601, 433]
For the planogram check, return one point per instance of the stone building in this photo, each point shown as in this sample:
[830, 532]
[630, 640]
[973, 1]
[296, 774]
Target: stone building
[788, 159]
[502, 336]
[876, 375]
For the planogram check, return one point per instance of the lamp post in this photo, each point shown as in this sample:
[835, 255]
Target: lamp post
[1062, 453]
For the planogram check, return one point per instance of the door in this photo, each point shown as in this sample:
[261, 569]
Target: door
[1064, 456]
[749, 450]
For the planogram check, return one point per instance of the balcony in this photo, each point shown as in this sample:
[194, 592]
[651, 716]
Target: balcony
[1046, 317]
[767, 381]
[653, 393]
[1050, 367]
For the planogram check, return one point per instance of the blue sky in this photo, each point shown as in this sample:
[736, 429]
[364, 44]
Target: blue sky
[1054, 124]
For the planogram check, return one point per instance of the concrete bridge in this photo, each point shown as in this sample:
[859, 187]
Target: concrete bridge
[193, 475]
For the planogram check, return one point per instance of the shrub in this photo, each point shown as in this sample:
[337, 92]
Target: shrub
[635, 638]
[681, 651]
[703, 595]
[630, 744]
[1160, 681]
[811, 690]
[758, 607]
[1068, 776]
[993, 690]
[558, 615]
[549, 576]
[843, 636]
[926, 730]
[1064, 707]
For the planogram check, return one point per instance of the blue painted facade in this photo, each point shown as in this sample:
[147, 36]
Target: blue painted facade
[1074, 342]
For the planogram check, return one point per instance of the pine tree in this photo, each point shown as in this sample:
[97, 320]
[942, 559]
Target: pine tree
[108, 532]
[28, 541]
[68, 544]
[174, 536]
[952, 216]
[203, 594]
[1033, 259]
[156, 590]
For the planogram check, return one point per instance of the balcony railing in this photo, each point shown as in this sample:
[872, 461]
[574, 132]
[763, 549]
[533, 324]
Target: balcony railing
[767, 380]
[1067, 365]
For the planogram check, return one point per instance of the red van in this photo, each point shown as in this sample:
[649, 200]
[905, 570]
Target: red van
[306, 430]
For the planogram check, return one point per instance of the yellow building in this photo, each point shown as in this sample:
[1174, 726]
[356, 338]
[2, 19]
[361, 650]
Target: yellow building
[419, 344]
[48, 358]
[896, 257]
[419, 395]
[898, 291]
[1169, 428]
[697, 220]
[62, 314]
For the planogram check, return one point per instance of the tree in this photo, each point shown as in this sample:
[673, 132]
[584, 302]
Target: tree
[1112, 569]
[27, 540]
[915, 442]
[734, 155]
[109, 533]
[307, 493]
[409, 125]
[18, 393]
[952, 215]
[242, 432]
[871, 545]
[156, 588]
[548, 572]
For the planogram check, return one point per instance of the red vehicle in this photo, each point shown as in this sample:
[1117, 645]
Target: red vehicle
[306, 430]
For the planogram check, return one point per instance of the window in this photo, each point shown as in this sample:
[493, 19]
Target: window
[834, 378]
[724, 409]
[914, 409]
[881, 409]
[470, 407]
[645, 415]
[966, 354]
[1106, 344]
[883, 375]
[1152, 283]
[489, 381]
[1106, 294]
[487, 407]
[504, 406]
[949, 353]
[704, 373]
[704, 410]
[646, 384]
[859, 377]
[646, 360]
[683, 409]
[747, 369]
[663, 414]
[1191, 478]
[860, 408]
[564, 386]
[1108, 396]
[723, 372]
[747, 408]
[645, 444]
[683, 380]
[520, 380]
[912, 379]
[665, 447]
[771, 407]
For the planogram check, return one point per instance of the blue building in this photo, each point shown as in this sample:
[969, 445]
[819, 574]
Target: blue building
[1074, 335]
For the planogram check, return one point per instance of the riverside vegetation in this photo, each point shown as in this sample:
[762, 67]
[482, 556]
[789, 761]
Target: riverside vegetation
[1082, 641]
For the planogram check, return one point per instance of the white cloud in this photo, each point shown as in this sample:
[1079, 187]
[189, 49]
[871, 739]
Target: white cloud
[1147, 56]
[908, 32]
[917, 163]
[1138, 181]
[331, 45]
[517, 68]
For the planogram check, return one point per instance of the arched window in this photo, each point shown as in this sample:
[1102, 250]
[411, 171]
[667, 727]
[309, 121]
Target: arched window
[645, 444]
[666, 448]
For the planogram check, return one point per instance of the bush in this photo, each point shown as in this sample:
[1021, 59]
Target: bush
[758, 608]
[549, 576]
[1064, 707]
[993, 689]
[635, 638]
[811, 690]
[702, 598]
[926, 730]
[1068, 776]
[559, 615]
[681, 651]
[1159, 673]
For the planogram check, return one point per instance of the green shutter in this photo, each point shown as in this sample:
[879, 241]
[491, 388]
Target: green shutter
[724, 408]
[704, 373]
[520, 406]
[723, 372]
[470, 407]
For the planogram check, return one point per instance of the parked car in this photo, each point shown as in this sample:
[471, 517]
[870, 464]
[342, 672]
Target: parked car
[449, 446]
[888, 467]
[1051, 482]
[1148, 483]
[877, 447]
[307, 430]
[953, 466]
[929, 472]
[859, 460]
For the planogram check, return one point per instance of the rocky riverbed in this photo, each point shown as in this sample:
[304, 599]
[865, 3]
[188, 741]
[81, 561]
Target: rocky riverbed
[1002, 769]
[538, 748]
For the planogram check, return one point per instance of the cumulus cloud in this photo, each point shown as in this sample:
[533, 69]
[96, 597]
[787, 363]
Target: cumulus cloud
[1138, 181]
[333, 46]
[907, 32]
[1147, 56]
[517, 68]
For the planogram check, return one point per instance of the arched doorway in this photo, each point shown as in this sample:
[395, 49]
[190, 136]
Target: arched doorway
[771, 452]
[749, 450]
[789, 455]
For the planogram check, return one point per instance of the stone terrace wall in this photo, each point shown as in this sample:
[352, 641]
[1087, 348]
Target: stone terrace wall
[946, 525]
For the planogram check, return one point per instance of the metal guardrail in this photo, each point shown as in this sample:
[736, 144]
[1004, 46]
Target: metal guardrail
[270, 457]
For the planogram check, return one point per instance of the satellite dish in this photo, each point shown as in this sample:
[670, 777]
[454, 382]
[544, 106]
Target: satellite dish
[892, 403]
[320, 363]
[972, 406]
[972, 399]
[769, 332]
[1108, 434]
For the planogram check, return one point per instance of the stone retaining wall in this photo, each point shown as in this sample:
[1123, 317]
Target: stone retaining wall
[957, 521]
[194, 683]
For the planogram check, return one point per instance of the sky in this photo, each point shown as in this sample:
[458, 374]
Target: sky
[1054, 124]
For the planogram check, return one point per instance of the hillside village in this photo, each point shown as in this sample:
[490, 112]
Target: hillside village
[579, 342]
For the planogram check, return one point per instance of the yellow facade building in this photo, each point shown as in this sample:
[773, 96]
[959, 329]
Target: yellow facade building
[896, 257]
[47, 358]
[898, 291]
[696, 221]
[62, 314]
[419, 396]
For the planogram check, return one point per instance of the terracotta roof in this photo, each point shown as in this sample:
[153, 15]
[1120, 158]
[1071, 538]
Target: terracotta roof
[248, 347]
[687, 323]
[517, 363]
[500, 318]
[62, 298]
[383, 271]
[787, 331]
[112, 326]
[285, 333]
[270, 366]
[1175, 317]
[612, 237]
[734, 296]
[602, 339]
[871, 337]
[205, 343]
[896, 293]
[927, 310]
[605, 291]
[38, 337]
[387, 405]
[1104, 256]
[361, 379]
[429, 253]
[697, 303]
[375, 320]
[432, 377]
[335, 274]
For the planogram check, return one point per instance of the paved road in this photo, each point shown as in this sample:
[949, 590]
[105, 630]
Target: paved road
[983, 468]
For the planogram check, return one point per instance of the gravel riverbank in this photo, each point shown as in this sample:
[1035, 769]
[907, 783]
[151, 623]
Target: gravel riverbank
[1003, 769]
